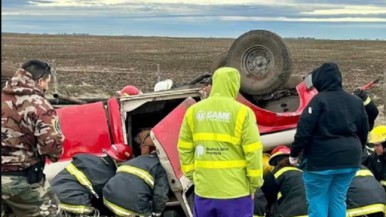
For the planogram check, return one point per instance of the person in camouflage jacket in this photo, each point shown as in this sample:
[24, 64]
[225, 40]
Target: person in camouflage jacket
[30, 132]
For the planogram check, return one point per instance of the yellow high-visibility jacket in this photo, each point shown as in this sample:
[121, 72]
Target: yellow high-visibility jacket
[219, 143]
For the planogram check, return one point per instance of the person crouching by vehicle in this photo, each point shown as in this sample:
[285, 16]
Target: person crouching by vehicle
[79, 186]
[140, 186]
[284, 186]
[365, 196]
[377, 161]
[30, 133]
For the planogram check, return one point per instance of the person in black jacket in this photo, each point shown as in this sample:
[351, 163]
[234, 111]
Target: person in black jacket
[331, 133]
[284, 186]
[79, 186]
[365, 196]
[140, 186]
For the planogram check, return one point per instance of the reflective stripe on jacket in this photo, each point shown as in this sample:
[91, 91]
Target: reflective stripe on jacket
[81, 181]
[219, 143]
[291, 198]
[365, 195]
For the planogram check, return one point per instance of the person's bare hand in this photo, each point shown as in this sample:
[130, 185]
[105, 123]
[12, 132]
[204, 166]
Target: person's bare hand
[252, 196]
[294, 161]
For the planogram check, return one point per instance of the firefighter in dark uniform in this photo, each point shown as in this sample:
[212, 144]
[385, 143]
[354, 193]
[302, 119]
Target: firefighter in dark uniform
[140, 187]
[284, 187]
[79, 186]
[365, 196]
[372, 113]
[377, 161]
[370, 107]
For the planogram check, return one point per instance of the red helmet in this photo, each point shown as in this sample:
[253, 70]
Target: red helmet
[119, 152]
[280, 150]
[129, 90]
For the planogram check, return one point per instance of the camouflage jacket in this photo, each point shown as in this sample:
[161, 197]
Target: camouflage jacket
[29, 124]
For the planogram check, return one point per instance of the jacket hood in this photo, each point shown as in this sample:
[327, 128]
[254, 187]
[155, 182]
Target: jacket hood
[226, 83]
[22, 84]
[327, 77]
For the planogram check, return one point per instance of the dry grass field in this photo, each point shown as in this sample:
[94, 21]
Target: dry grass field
[96, 66]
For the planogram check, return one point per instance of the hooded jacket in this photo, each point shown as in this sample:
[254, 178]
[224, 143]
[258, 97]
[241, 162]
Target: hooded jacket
[219, 144]
[29, 124]
[333, 128]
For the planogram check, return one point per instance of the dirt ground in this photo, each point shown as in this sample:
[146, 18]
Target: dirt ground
[97, 66]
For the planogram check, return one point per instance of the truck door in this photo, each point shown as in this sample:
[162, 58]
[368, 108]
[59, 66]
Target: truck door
[165, 137]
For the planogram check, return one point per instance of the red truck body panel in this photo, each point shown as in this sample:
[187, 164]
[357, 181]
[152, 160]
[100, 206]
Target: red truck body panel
[269, 121]
[85, 128]
[115, 120]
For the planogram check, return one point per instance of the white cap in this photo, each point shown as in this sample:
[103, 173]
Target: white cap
[163, 85]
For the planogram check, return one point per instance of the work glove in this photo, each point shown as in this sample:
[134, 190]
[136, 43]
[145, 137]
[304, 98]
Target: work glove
[361, 94]
[294, 161]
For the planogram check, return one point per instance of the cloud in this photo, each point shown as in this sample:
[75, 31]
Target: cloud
[308, 19]
[349, 10]
[115, 15]
[77, 3]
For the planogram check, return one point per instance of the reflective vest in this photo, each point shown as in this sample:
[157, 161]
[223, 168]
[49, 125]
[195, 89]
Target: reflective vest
[219, 144]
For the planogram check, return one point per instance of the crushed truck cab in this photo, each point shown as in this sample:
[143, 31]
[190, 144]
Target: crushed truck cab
[92, 127]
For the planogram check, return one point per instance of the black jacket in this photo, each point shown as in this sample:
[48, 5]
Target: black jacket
[365, 194]
[377, 165]
[372, 113]
[285, 192]
[140, 186]
[98, 171]
[333, 128]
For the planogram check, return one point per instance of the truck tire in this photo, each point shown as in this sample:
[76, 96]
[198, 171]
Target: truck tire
[219, 61]
[263, 59]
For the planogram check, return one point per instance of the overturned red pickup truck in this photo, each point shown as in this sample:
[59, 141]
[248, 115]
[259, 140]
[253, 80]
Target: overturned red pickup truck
[91, 127]
[276, 98]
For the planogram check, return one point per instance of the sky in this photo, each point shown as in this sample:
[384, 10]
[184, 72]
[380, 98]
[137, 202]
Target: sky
[328, 19]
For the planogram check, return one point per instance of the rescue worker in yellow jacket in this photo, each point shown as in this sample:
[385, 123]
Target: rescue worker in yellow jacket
[365, 196]
[284, 186]
[220, 150]
[377, 161]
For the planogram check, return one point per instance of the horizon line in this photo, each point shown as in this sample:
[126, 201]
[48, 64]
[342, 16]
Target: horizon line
[187, 37]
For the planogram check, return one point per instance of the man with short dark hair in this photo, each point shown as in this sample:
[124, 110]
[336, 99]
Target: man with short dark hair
[30, 132]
